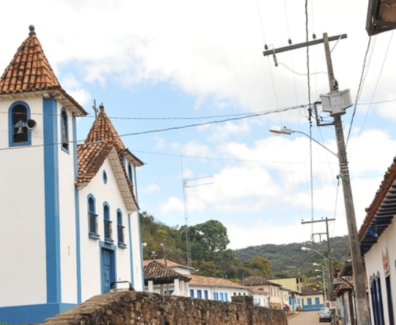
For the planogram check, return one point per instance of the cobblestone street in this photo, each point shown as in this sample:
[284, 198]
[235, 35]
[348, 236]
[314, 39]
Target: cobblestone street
[306, 318]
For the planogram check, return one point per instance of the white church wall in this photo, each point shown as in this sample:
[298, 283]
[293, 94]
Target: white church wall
[90, 251]
[67, 213]
[22, 217]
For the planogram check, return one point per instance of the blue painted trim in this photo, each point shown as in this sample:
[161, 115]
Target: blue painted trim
[108, 246]
[130, 250]
[67, 131]
[104, 177]
[92, 235]
[108, 206]
[94, 200]
[32, 313]
[77, 212]
[11, 126]
[51, 182]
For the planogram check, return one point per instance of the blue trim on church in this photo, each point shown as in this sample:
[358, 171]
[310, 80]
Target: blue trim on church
[51, 183]
[77, 209]
[31, 313]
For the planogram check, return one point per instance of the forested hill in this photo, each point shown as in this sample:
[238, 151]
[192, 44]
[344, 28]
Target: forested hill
[289, 259]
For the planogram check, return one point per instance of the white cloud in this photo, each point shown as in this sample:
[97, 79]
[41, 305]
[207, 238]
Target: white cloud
[172, 204]
[151, 188]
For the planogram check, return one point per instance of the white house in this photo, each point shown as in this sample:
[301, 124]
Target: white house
[69, 220]
[202, 287]
[377, 238]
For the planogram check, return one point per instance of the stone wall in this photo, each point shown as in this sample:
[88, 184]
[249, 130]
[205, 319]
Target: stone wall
[138, 308]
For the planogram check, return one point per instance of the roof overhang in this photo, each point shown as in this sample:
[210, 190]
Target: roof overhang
[59, 94]
[378, 220]
[381, 16]
[132, 158]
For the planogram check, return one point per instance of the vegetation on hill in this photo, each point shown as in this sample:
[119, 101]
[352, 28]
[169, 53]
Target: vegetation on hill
[210, 256]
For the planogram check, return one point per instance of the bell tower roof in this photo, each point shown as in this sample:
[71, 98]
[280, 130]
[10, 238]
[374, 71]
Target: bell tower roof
[30, 71]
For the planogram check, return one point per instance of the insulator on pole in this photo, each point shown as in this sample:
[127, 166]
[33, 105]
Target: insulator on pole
[314, 36]
[265, 47]
[290, 41]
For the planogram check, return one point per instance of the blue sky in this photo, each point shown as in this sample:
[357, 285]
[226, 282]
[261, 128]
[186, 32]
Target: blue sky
[193, 59]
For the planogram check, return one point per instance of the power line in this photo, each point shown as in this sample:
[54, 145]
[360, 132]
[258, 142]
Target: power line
[359, 89]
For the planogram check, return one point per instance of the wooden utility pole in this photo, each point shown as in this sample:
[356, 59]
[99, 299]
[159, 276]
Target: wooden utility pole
[330, 278]
[363, 316]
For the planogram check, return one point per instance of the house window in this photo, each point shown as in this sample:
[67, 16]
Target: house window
[215, 296]
[317, 302]
[130, 173]
[206, 295]
[226, 297]
[191, 293]
[199, 293]
[120, 230]
[221, 296]
[309, 301]
[19, 134]
[92, 218]
[107, 223]
[64, 131]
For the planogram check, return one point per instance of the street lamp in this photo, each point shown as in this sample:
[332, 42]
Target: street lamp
[279, 130]
[329, 268]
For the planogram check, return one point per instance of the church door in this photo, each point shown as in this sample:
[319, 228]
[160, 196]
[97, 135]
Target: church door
[108, 269]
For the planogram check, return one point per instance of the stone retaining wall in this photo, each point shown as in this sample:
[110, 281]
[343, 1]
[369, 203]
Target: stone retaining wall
[138, 308]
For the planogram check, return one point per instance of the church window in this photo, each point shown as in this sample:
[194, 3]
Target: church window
[64, 139]
[92, 218]
[19, 134]
[104, 177]
[130, 173]
[107, 223]
[120, 230]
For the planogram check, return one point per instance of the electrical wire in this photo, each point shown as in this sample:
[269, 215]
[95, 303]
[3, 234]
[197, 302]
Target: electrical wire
[300, 74]
[359, 90]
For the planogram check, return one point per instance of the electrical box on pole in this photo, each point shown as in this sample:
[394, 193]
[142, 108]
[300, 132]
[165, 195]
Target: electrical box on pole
[336, 102]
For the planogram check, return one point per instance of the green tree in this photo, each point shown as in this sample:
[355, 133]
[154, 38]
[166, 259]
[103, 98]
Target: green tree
[261, 265]
[209, 269]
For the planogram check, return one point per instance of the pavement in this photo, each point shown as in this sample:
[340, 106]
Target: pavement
[306, 318]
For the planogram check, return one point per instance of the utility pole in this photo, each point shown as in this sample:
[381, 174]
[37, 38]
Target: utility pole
[363, 316]
[357, 265]
[330, 278]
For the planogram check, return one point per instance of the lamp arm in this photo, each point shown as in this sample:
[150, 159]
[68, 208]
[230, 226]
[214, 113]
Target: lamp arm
[333, 153]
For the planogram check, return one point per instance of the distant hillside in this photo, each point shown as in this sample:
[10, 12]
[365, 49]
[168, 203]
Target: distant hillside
[290, 260]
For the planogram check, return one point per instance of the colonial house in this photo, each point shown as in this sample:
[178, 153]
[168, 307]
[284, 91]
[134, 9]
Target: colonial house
[293, 287]
[69, 213]
[195, 286]
[344, 294]
[273, 289]
[377, 238]
[311, 299]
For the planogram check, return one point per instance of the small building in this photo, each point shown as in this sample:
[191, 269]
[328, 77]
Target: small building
[260, 297]
[272, 288]
[311, 299]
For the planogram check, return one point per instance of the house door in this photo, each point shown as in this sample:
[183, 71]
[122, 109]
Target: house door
[108, 269]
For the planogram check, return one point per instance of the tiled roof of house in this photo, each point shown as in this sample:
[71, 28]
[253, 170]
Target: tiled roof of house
[30, 71]
[161, 274]
[381, 210]
[168, 263]
[305, 291]
[210, 281]
[256, 281]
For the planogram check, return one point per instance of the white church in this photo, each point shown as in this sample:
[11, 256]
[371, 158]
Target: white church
[69, 223]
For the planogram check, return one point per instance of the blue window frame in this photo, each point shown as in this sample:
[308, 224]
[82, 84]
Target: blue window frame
[309, 301]
[317, 302]
[120, 230]
[199, 293]
[206, 295]
[19, 133]
[92, 218]
[130, 175]
[226, 297]
[104, 177]
[216, 296]
[221, 296]
[191, 293]
[108, 230]
[64, 136]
